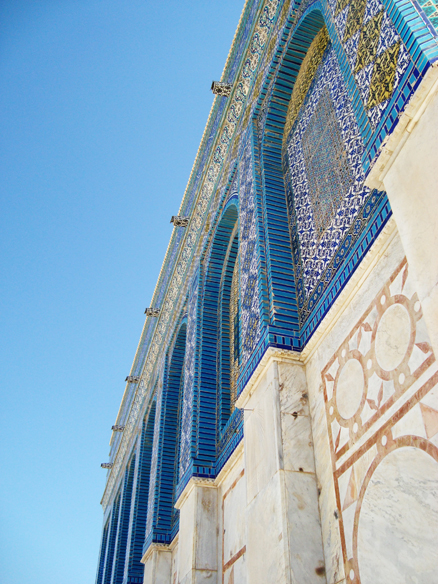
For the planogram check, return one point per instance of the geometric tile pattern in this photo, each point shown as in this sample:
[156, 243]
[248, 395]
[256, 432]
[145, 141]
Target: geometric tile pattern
[189, 376]
[328, 172]
[376, 54]
[234, 334]
[430, 8]
[249, 292]
[324, 153]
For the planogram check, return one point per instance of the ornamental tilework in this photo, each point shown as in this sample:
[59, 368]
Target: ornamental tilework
[179, 267]
[305, 76]
[153, 484]
[377, 56]
[249, 292]
[323, 212]
[430, 8]
[189, 376]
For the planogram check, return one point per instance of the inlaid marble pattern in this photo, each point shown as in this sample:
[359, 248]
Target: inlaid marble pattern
[381, 402]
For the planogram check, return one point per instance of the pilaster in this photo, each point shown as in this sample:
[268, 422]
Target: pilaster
[283, 525]
[198, 534]
[157, 564]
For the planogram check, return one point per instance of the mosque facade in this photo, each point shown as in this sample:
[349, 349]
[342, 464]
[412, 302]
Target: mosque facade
[280, 420]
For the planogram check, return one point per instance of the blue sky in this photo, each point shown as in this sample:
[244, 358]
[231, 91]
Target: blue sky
[102, 108]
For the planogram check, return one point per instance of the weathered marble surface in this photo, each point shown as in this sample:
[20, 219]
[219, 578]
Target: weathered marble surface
[198, 535]
[158, 567]
[374, 407]
[284, 532]
[411, 185]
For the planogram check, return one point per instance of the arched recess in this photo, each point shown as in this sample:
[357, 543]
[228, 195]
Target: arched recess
[270, 124]
[228, 329]
[134, 569]
[215, 402]
[165, 519]
[124, 522]
[337, 222]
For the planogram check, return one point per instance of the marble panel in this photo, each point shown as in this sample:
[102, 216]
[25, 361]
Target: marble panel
[186, 535]
[198, 533]
[297, 443]
[262, 441]
[329, 515]
[233, 519]
[381, 406]
[174, 567]
[237, 574]
[158, 567]
[293, 388]
[405, 183]
[304, 529]
[266, 551]
[205, 542]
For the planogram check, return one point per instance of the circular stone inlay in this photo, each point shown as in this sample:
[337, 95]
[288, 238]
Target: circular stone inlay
[349, 389]
[398, 523]
[392, 338]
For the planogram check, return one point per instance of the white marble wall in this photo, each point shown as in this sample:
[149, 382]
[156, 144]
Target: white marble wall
[158, 565]
[407, 172]
[198, 534]
[373, 394]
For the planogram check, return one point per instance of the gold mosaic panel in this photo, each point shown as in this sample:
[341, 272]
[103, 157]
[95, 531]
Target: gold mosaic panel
[355, 17]
[340, 5]
[304, 79]
[382, 80]
[368, 42]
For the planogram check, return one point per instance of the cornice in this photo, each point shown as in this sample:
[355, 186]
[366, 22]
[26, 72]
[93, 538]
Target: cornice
[155, 547]
[271, 354]
[191, 485]
[224, 137]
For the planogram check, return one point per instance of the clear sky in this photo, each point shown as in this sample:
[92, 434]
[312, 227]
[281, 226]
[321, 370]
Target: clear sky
[102, 108]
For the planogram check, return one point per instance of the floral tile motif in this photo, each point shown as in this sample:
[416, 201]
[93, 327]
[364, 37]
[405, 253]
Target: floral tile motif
[370, 40]
[249, 292]
[324, 211]
[189, 376]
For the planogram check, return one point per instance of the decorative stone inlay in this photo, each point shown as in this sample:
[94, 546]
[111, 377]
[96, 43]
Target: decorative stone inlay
[349, 388]
[381, 405]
